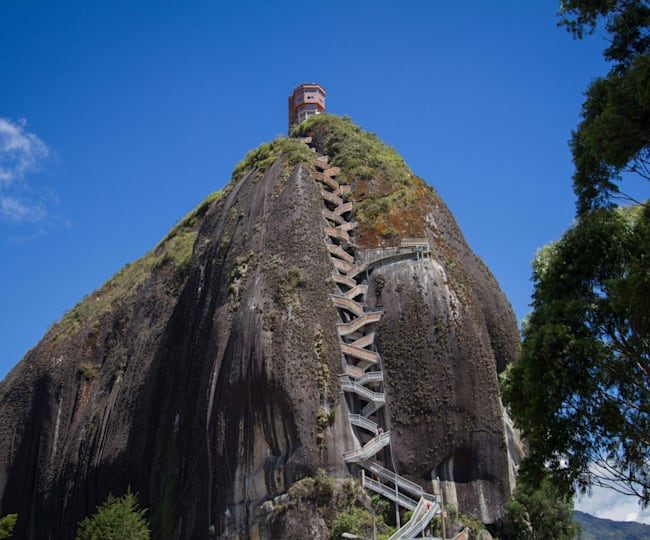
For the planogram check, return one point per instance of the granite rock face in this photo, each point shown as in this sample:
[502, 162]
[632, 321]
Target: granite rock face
[201, 374]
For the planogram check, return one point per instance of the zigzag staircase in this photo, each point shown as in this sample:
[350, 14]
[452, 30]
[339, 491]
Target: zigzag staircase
[362, 378]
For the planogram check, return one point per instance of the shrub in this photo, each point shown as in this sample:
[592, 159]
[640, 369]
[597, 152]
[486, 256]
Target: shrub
[355, 521]
[88, 370]
[382, 507]
[116, 519]
[262, 157]
[7, 524]
[319, 488]
[538, 511]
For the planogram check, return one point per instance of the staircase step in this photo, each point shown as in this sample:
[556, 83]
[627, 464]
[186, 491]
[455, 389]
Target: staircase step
[361, 354]
[421, 517]
[342, 208]
[342, 302]
[364, 341]
[347, 226]
[353, 371]
[322, 162]
[371, 317]
[343, 280]
[330, 197]
[395, 479]
[350, 269]
[389, 493]
[332, 171]
[370, 377]
[339, 252]
[374, 397]
[327, 180]
[331, 216]
[364, 423]
[371, 408]
[355, 291]
[337, 234]
[368, 450]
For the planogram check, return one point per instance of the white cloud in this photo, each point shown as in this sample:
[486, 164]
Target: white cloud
[15, 211]
[608, 504]
[21, 152]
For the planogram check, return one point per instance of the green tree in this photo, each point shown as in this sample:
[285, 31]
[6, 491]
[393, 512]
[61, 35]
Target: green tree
[581, 390]
[539, 512]
[7, 525]
[613, 137]
[116, 519]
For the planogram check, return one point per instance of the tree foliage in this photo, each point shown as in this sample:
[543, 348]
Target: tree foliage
[116, 519]
[7, 525]
[613, 137]
[538, 512]
[581, 391]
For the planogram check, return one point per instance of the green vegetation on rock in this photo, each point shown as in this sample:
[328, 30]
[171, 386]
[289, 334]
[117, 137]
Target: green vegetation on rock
[539, 512]
[354, 521]
[359, 153]
[116, 519]
[173, 253]
[262, 157]
[455, 521]
[389, 200]
[319, 488]
[7, 524]
[344, 507]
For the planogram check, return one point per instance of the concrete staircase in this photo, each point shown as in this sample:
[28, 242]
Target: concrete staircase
[362, 378]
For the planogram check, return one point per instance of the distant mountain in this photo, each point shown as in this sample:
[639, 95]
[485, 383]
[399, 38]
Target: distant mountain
[594, 528]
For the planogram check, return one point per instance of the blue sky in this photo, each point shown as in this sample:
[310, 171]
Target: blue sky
[118, 117]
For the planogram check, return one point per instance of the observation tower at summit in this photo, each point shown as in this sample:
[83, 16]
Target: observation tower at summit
[306, 100]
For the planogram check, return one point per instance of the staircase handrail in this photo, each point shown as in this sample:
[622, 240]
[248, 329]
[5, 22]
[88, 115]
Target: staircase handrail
[334, 199]
[342, 279]
[389, 258]
[363, 422]
[339, 252]
[365, 355]
[393, 477]
[355, 291]
[342, 301]
[351, 386]
[421, 517]
[368, 376]
[390, 493]
[369, 317]
[371, 407]
[369, 449]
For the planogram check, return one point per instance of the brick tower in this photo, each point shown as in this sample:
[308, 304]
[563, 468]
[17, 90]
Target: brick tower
[307, 100]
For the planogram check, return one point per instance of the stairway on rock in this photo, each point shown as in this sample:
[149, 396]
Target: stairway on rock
[362, 378]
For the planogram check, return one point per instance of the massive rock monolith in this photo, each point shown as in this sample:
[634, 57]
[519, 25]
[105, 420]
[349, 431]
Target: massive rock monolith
[198, 375]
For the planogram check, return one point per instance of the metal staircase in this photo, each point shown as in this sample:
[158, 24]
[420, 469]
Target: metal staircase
[422, 515]
[362, 378]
